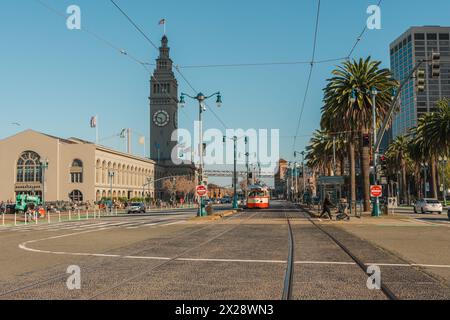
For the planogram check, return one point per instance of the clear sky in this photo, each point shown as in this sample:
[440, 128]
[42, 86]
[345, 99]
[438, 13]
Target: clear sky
[53, 79]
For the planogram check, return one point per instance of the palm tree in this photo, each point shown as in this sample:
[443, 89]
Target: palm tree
[433, 130]
[319, 152]
[348, 107]
[398, 153]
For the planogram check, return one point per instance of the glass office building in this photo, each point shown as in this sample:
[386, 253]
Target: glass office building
[414, 45]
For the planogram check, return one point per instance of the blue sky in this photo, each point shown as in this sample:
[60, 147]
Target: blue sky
[53, 79]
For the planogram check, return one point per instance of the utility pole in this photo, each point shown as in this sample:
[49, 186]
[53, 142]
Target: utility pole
[304, 176]
[334, 155]
[44, 167]
[111, 175]
[376, 204]
[202, 107]
[235, 180]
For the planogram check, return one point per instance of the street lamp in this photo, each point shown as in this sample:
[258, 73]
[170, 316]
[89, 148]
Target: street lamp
[302, 153]
[111, 174]
[44, 167]
[443, 161]
[201, 98]
[373, 92]
[235, 179]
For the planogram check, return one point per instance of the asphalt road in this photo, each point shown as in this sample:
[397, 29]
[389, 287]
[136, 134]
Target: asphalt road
[173, 256]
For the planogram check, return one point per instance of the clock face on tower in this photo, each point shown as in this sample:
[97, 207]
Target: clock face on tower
[161, 118]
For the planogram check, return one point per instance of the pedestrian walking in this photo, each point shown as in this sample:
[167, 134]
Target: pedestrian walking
[326, 208]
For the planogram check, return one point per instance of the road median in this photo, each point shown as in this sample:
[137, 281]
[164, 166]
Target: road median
[216, 216]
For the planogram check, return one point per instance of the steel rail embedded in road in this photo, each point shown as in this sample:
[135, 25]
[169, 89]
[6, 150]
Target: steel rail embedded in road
[63, 275]
[388, 293]
[288, 280]
[141, 274]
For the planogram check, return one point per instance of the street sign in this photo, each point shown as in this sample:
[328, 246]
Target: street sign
[376, 191]
[201, 191]
[384, 180]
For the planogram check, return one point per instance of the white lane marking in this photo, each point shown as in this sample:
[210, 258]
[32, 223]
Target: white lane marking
[230, 260]
[23, 246]
[325, 262]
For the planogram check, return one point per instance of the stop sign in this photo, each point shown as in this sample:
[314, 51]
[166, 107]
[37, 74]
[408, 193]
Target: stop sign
[376, 191]
[201, 191]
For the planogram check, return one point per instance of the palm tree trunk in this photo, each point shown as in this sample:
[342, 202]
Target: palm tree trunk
[342, 166]
[365, 168]
[351, 157]
[404, 183]
[433, 178]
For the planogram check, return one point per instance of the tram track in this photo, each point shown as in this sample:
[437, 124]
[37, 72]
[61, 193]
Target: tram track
[173, 259]
[289, 276]
[95, 266]
[385, 289]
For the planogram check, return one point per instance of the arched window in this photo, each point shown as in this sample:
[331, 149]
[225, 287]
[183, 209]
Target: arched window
[29, 167]
[76, 171]
[76, 196]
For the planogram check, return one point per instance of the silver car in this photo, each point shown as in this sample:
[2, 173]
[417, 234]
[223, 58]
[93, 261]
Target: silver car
[136, 207]
[428, 205]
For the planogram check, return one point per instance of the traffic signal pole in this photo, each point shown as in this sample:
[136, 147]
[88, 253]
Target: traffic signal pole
[376, 203]
[386, 121]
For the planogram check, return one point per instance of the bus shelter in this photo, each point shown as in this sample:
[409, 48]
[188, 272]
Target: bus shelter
[332, 187]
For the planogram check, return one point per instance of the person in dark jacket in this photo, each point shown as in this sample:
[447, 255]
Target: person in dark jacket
[326, 208]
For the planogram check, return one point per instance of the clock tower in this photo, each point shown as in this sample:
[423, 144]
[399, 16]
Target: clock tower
[163, 107]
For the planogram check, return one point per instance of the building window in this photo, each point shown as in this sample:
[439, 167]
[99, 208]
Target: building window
[76, 196]
[29, 167]
[76, 171]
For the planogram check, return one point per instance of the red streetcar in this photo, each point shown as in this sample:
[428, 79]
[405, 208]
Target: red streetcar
[258, 197]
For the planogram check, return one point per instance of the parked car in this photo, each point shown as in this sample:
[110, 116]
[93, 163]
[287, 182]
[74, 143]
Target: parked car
[136, 207]
[10, 208]
[225, 200]
[428, 205]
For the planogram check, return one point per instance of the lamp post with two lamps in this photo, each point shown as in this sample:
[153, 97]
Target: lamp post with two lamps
[201, 98]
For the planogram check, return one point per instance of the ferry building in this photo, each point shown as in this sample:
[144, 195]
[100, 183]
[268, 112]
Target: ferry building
[79, 170]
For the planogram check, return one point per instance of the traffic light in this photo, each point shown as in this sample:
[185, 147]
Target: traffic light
[420, 80]
[383, 163]
[435, 64]
[366, 140]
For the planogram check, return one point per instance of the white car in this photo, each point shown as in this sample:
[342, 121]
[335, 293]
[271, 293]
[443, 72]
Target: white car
[428, 205]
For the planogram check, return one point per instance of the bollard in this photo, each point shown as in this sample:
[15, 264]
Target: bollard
[3, 219]
[116, 212]
[87, 214]
[15, 218]
[35, 218]
[79, 217]
[48, 217]
[70, 215]
[59, 216]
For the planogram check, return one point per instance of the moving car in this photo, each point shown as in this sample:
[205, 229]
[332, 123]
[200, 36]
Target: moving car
[136, 207]
[428, 205]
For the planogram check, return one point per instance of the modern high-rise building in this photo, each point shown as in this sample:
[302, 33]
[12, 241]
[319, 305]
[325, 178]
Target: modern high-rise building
[416, 44]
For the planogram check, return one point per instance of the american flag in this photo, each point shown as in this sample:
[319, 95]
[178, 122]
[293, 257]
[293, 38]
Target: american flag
[93, 122]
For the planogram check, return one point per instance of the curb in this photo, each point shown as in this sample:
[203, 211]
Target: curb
[216, 216]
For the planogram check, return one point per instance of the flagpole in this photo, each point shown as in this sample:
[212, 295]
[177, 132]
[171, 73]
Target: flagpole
[96, 130]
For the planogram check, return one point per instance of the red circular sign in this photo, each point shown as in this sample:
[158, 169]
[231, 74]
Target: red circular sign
[201, 191]
[376, 191]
